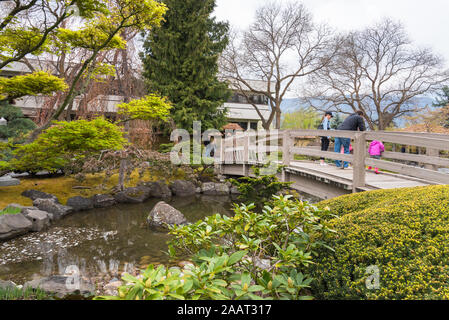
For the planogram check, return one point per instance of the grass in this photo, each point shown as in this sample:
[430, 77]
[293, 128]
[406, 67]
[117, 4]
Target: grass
[23, 294]
[63, 187]
[10, 211]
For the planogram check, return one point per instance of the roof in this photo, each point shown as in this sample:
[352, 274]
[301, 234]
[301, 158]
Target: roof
[232, 126]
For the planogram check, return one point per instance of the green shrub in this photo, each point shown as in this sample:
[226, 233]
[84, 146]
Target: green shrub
[404, 232]
[18, 125]
[248, 256]
[262, 187]
[66, 144]
[23, 294]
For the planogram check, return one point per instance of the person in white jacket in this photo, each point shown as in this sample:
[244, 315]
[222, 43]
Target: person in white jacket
[325, 125]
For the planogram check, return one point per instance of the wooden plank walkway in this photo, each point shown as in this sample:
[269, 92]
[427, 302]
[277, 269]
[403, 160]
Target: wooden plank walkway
[372, 181]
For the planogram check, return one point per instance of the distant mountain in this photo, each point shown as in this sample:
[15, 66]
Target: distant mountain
[292, 105]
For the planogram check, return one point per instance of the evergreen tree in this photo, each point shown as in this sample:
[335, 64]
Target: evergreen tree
[443, 98]
[181, 62]
[17, 125]
[442, 101]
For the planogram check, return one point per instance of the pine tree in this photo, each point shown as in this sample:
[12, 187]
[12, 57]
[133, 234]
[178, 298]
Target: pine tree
[17, 125]
[181, 62]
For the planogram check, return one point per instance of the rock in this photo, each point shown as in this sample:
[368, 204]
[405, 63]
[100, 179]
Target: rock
[208, 188]
[36, 194]
[212, 188]
[158, 189]
[13, 225]
[133, 195]
[112, 287]
[63, 287]
[7, 285]
[198, 190]
[235, 190]
[163, 214]
[39, 219]
[51, 206]
[79, 203]
[183, 188]
[103, 201]
[8, 181]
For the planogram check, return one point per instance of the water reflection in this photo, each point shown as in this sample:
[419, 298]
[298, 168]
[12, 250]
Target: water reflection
[110, 240]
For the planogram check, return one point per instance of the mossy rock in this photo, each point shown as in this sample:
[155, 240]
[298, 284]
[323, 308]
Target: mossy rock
[402, 232]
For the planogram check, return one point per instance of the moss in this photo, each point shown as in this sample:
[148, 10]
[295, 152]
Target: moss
[404, 232]
[62, 187]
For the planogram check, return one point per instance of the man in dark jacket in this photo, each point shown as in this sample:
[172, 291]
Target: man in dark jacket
[353, 123]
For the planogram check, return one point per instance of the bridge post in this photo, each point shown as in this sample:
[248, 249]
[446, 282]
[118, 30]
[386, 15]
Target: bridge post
[286, 156]
[222, 154]
[432, 153]
[359, 172]
[245, 154]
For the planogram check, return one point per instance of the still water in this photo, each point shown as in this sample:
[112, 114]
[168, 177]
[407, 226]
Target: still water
[106, 240]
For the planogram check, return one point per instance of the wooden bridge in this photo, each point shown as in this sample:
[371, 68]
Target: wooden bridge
[236, 154]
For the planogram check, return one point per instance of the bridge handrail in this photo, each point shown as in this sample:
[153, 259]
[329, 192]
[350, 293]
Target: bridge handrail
[241, 147]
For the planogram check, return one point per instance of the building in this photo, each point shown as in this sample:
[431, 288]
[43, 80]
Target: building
[243, 113]
[239, 111]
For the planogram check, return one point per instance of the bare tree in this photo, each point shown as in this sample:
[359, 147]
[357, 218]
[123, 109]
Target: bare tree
[379, 71]
[281, 46]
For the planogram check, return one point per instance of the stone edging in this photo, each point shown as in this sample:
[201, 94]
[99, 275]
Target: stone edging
[47, 208]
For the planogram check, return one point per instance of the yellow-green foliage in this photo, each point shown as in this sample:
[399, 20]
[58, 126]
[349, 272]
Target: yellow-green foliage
[39, 82]
[90, 38]
[404, 232]
[147, 108]
[67, 142]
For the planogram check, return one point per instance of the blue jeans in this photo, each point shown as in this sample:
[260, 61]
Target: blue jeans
[345, 142]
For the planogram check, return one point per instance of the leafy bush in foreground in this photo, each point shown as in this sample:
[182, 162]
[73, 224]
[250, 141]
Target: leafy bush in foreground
[404, 232]
[248, 256]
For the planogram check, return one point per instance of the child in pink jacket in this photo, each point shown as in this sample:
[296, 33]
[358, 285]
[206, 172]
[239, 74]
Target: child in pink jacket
[375, 151]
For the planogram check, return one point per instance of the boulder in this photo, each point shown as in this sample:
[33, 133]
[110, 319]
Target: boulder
[63, 287]
[158, 189]
[183, 188]
[133, 195]
[36, 194]
[79, 203]
[39, 219]
[8, 181]
[7, 285]
[163, 214]
[235, 190]
[103, 201]
[212, 188]
[13, 225]
[51, 206]
[111, 289]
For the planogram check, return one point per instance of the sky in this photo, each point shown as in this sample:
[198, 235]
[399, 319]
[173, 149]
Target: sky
[426, 21]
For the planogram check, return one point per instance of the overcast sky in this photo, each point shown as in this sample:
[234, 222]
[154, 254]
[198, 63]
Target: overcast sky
[427, 21]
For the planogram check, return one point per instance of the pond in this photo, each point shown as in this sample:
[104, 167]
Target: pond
[101, 241]
[109, 240]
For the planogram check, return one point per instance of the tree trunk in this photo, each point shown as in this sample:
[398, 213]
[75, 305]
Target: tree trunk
[278, 119]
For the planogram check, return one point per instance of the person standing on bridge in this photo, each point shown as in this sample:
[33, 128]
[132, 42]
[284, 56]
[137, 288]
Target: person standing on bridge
[352, 123]
[325, 125]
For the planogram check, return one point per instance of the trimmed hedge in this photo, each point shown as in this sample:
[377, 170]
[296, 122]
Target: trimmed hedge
[404, 232]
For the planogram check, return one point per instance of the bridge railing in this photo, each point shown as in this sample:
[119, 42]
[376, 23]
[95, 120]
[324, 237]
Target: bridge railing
[253, 147]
